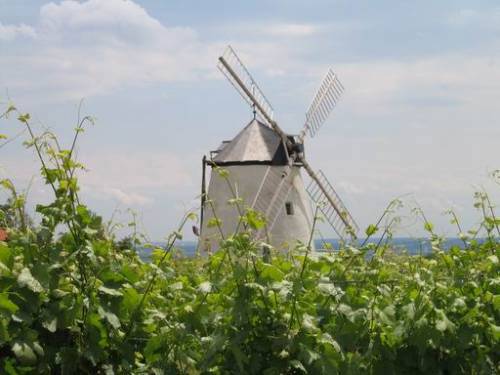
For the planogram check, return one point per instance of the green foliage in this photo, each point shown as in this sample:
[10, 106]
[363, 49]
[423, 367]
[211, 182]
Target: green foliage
[12, 213]
[371, 230]
[74, 300]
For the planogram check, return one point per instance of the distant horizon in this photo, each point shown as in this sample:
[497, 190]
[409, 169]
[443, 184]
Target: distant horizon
[413, 246]
[372, 239]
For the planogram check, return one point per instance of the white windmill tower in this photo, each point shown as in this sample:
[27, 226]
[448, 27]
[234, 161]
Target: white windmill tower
[264, 165]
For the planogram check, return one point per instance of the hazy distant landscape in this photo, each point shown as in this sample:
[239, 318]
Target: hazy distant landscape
[412, 246]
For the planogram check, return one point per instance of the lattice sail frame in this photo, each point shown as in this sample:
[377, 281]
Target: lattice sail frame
[336, 214]
[325, 100]
[242, 80]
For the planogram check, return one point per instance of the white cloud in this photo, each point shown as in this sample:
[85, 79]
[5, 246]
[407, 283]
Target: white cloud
[431, 83]
[97, 15]
[287, 31]
[90, 48]
[128, 177]
[93, 47]
[10, 32]
[124, 197]
[138, 170]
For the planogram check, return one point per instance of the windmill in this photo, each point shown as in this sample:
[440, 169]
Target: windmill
[264, 169]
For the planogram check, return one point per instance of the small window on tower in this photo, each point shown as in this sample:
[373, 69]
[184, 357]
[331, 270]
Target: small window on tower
[289, 208]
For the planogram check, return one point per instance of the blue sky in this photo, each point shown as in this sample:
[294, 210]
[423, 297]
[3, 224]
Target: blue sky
[419, 117]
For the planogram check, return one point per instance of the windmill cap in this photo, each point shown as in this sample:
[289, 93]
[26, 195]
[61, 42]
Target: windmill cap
[256, 143]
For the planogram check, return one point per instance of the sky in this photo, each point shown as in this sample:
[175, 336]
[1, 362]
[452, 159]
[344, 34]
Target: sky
[419, 118]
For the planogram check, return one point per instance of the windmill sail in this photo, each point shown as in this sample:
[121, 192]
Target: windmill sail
[336, 214]
[324, 101]
[231, 66]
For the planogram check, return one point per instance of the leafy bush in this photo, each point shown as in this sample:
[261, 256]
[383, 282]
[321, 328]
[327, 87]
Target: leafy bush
[75, 302]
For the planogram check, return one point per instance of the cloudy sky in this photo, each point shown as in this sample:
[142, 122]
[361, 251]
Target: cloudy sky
[419, 118]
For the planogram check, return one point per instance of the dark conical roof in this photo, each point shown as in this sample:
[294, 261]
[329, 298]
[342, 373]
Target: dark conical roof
[256, 143]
